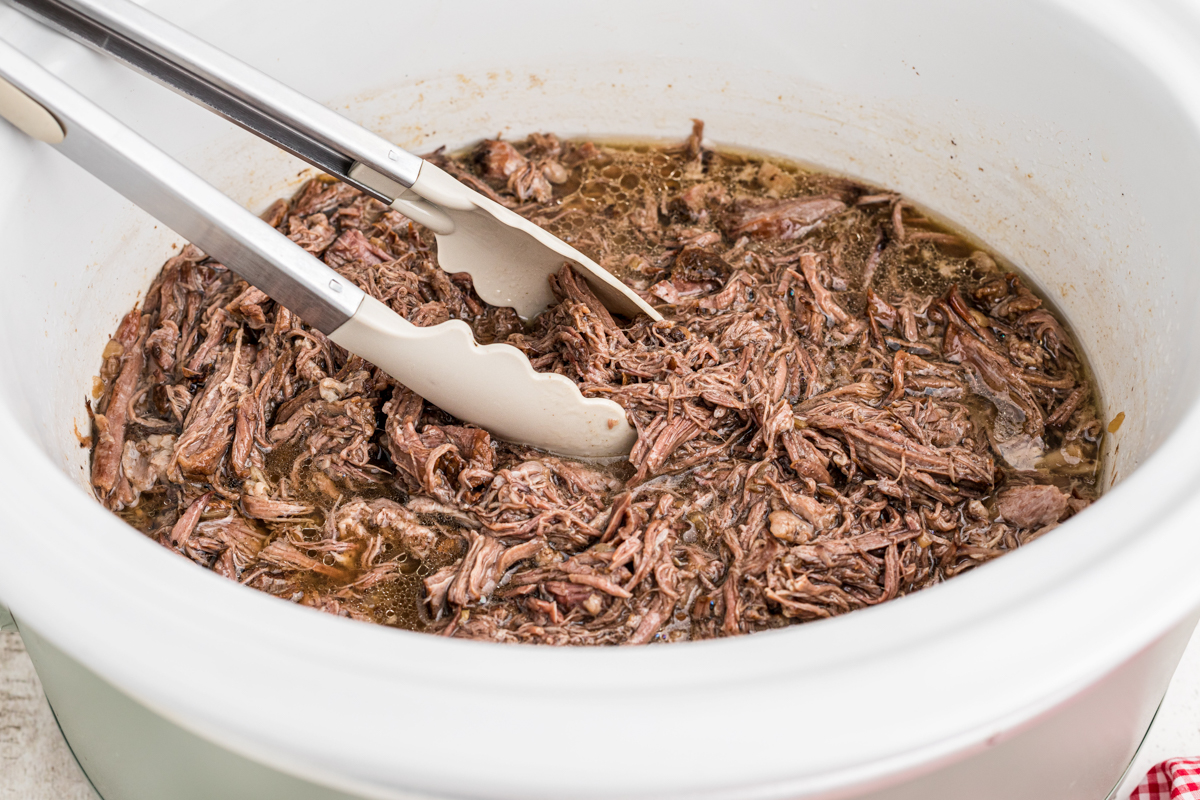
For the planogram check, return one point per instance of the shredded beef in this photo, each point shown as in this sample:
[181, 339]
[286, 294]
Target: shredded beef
[843, 404]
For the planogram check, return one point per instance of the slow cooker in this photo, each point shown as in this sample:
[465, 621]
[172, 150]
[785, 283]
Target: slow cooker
[1064, 134]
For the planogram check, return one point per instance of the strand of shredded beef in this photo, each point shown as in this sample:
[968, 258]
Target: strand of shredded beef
[843, 404]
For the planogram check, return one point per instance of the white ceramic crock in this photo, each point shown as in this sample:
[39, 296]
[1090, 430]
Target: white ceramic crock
[1065, 134]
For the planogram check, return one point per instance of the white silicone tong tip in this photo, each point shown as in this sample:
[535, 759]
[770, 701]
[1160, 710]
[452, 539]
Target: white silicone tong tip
[508, 258]
[493, 386]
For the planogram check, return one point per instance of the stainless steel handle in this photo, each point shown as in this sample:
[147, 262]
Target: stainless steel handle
[230, 87]
[183, 201]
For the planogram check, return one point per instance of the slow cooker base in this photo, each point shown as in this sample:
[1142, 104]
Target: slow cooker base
[1078, 751]
[129, 752]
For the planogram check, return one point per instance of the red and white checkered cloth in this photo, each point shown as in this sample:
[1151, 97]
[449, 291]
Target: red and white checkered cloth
[1177, 779]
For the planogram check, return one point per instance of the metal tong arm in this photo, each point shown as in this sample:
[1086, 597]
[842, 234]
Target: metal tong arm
[178, 197]
[493, 385]
[508, 258]
[231, 88]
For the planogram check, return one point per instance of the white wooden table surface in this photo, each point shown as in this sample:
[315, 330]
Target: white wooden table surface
[35, 763]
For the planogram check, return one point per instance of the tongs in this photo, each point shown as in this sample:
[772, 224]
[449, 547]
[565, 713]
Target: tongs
[508, 257]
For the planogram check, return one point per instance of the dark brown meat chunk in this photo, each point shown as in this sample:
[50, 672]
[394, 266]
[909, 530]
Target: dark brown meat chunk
[128, 359]
[788, 219]
[1033, 506]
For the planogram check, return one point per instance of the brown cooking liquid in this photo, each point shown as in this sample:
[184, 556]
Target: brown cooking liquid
[590, 205]
[601, 191]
